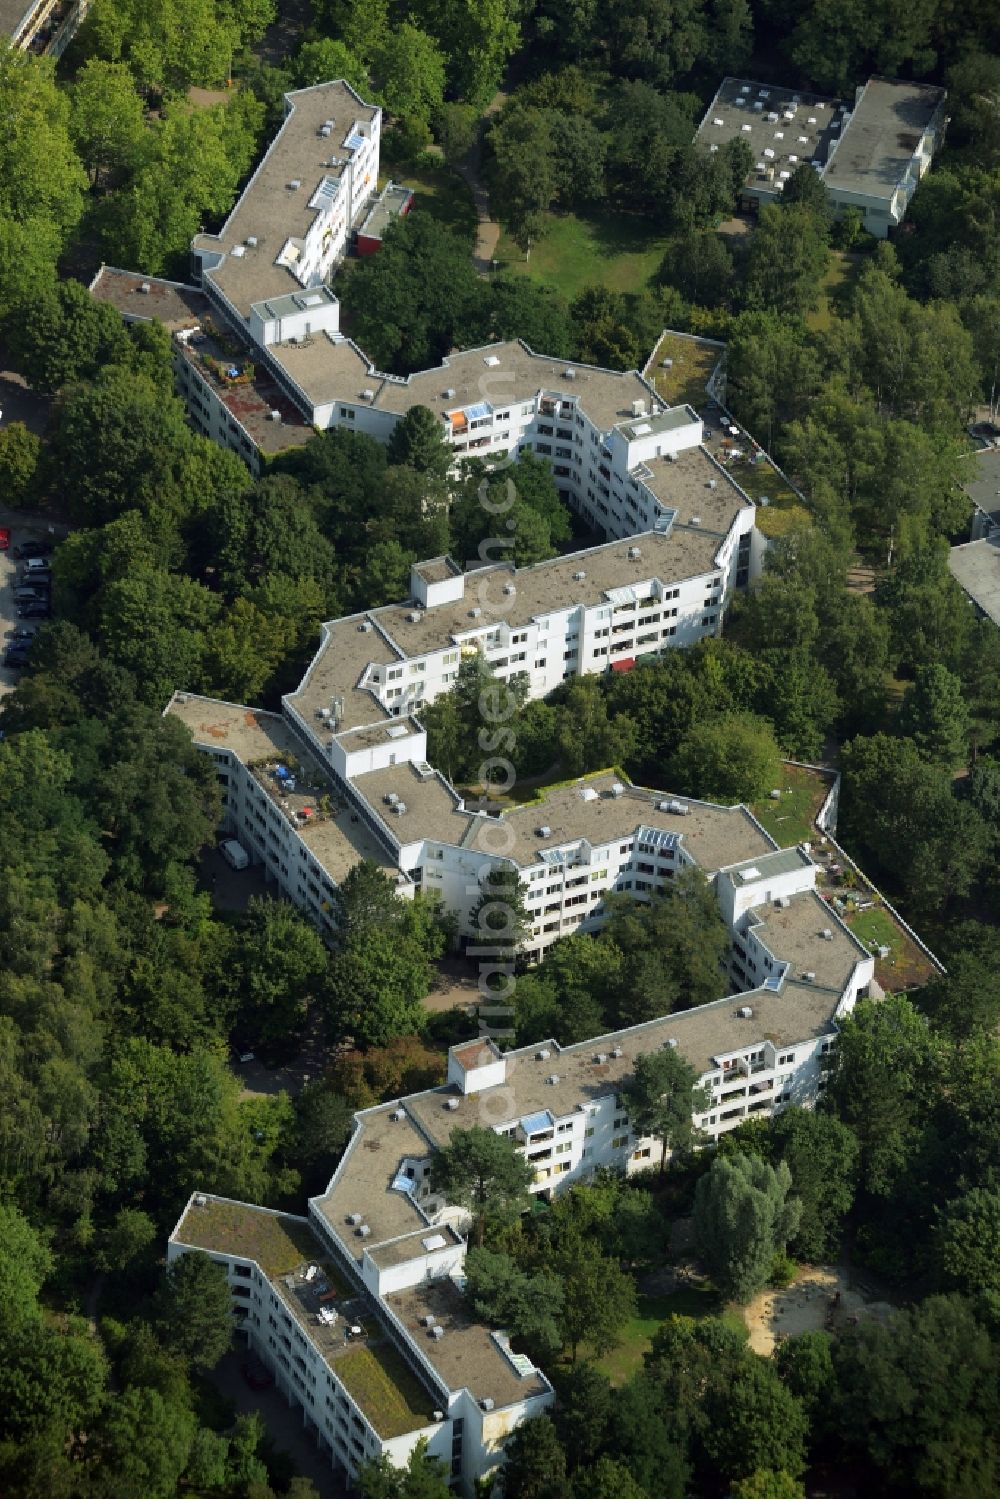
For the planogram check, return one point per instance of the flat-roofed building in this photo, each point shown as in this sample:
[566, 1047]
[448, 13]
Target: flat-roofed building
[886, 147]
[375, 1275]
[41, 26]
[870, 154]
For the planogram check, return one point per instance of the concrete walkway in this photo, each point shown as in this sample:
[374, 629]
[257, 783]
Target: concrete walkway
[488, 230]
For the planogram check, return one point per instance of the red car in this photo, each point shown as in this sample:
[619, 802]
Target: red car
[4, 539]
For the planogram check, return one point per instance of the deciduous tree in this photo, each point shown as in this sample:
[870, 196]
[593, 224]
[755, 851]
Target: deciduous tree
[482, 1172]
[743, 1217]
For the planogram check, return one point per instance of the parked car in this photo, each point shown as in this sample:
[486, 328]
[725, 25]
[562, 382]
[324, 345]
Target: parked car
[35, 565]
[15, 659]
[21, 632]
[257, 1375]
[35, 609]
[4, 539]
[33, 549]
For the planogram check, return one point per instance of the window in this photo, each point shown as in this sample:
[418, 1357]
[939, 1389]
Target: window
[619, 1141]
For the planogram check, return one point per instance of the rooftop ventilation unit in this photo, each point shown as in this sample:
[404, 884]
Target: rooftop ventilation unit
[681, 809]
[364, 1231]
[487, 1403]
[826, 934]
[552, 1078]
[579, 575]
[368, 395]
[543, 1055]
[509, 589]
[784, 901]
[475, 613]
[145, 288]
[397, 1115]
[617, 789]
[745, 1012]
[695, 520]
[588, 794]
[712, 484]
[451, 1104]
[809, 977]
[437, 1332]
[326, 129]
[601, 1058]
[399, 808]
[323, 713]
[252, 241]
[355, 1218]
[295, 183]
[427, 1320]
[634, 553]
[200, 1200]
[638, 408]
[414, 616]
[365, 627]
[449, 394]
[718, 120]
[544, 831]
[274, 415]
[569, 374]
[491, 361]
[616, 1051]
[438, 1415]
[671, 1042]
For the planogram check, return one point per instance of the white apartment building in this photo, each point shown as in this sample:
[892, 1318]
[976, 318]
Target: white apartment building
[263, 301]
[359, 1310]
[363, 787]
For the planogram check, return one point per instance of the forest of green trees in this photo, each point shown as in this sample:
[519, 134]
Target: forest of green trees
[121, 988]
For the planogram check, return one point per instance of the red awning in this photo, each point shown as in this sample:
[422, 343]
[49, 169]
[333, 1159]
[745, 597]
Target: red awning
[624, 665]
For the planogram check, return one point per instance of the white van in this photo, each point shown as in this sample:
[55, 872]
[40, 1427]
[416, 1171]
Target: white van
[234, 854]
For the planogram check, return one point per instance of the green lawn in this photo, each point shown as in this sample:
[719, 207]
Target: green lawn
[440, 193]
[842, 273]
[791, 820]
[609, 250]
[637, 1338]
[684, 382]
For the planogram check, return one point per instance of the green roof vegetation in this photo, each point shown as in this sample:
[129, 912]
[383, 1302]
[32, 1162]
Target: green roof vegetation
[277, 1241]
[791, 819]
[386, 1390]
[684, 382]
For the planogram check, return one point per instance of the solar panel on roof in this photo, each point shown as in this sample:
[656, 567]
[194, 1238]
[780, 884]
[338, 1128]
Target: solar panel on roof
[355, 141]
[481, 409]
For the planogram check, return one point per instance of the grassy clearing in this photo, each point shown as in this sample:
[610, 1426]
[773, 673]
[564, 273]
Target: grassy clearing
[792, 819]
[638, 1334]
[835, 288]
[440, 193]
[784, 511]
[392, 1398]
[609, 250]
[684, 383]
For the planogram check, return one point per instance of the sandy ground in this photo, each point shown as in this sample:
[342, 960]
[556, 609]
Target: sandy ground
[455, 986]
[808, 1305]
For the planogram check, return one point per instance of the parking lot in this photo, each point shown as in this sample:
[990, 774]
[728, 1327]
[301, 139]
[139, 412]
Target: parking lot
[20, 531]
